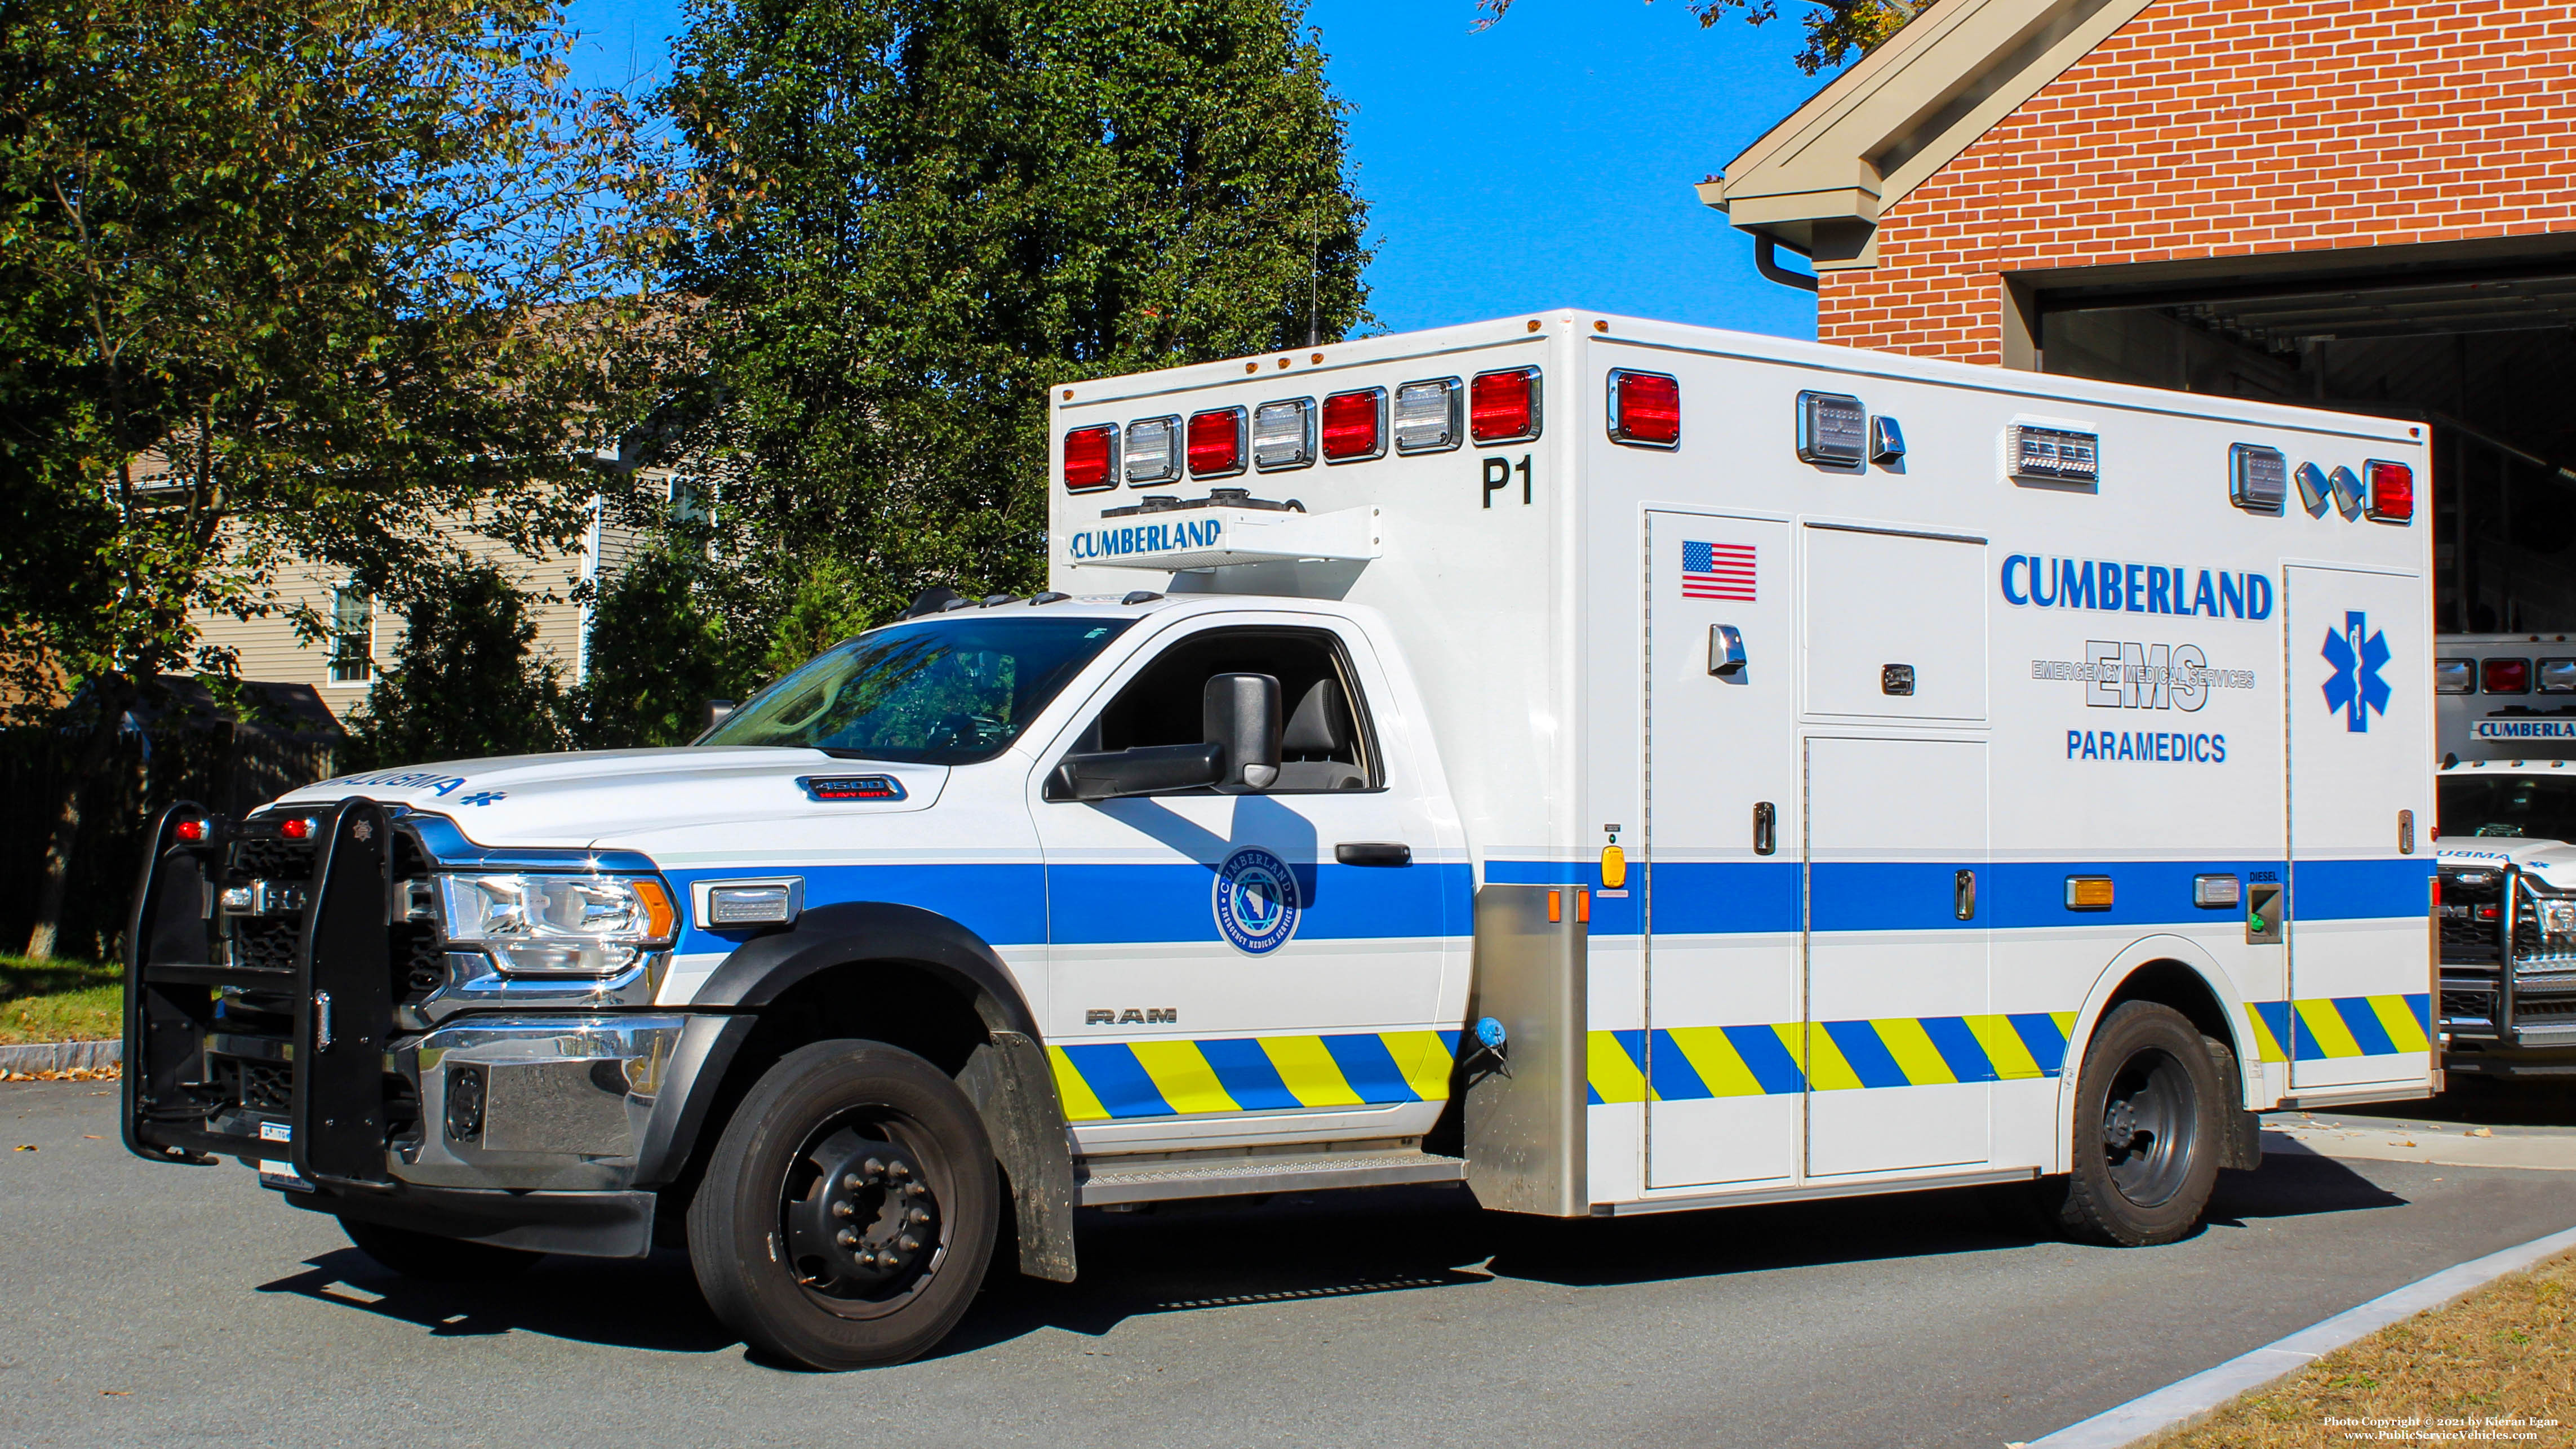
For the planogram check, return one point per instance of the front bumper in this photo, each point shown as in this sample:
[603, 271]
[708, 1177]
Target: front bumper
[545, 1103]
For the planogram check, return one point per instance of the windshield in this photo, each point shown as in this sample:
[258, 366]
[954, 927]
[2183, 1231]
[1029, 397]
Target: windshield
[947, 690]
[2539, 807]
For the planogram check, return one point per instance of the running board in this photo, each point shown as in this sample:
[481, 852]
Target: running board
[1102, 1186]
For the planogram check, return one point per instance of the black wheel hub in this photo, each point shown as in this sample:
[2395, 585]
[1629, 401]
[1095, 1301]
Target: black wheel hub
[2150, 1122]
[866, 1223]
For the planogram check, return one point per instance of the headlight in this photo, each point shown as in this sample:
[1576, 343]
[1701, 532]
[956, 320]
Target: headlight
[558, 925]
[2558, 918]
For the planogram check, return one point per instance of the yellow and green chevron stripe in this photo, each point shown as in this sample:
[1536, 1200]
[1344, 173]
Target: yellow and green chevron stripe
[2321, 1028]
[1691, 1062]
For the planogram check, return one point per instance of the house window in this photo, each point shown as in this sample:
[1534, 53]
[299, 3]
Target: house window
[691, 500]
[353, 636]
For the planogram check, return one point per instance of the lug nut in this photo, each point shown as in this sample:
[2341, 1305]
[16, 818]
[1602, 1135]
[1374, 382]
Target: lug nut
[850, 1182]
[841, 1207]
[917, 1215]
[908, 1243]
[872, 1169]
[847, 1239]
[901, 1169]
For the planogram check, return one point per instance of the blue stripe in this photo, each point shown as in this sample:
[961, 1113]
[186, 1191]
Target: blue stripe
[1867, 1054]
[1115, 904]
[2278, 1016]
[2306, 1047]
[1118, 1080]
[2364, 1025]
[2423, 1007]
[1003, 904]
[1244, 1070]
[1370, 1068]
[2360, 890]
[1673, 1078]
[1767, 1057]
[2040, 1035]
[1591, 1095]
[1959, 1049]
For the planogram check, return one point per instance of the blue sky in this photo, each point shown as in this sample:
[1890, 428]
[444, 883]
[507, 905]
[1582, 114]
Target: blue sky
[1545, 162]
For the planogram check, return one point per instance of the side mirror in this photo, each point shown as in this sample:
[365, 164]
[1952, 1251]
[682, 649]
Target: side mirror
[1241, 715]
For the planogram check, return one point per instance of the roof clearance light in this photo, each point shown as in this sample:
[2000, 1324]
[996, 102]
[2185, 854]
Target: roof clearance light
[1503, 407]
[1283, 435]
[1090, 456]
[1153, 451]
[2392, 492]
[2557, 676]
[1426, 416]
[2505, 676]
[2258, 478]
[1645, 409]
[1216, 443]
[2053, 455]
[1833, 430]
[2454, 676]
[1355, 426]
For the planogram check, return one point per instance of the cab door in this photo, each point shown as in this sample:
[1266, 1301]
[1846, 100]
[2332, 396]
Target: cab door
[1253, 966]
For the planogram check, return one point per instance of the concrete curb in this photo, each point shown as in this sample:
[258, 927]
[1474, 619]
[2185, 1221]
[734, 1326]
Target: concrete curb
[2177, 1405]
[61, 1056]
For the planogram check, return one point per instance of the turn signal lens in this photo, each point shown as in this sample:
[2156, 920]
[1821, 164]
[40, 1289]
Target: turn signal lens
[658, 915]
[1089, 455]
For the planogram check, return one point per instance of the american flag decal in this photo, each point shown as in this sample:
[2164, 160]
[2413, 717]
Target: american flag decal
[1717, 571]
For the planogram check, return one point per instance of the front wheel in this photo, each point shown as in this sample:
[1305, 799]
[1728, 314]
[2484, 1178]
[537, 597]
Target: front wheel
[2147, 1130]
[849, 1208]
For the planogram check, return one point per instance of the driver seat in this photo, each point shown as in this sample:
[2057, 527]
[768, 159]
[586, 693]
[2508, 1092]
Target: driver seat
[1314, 749]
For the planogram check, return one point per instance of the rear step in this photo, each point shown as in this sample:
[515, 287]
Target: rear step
[1230, 1176]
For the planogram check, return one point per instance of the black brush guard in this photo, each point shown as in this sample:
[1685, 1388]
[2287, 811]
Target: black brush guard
[184, 1103]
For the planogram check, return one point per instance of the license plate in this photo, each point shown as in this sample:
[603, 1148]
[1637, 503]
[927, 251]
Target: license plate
[281, 1175]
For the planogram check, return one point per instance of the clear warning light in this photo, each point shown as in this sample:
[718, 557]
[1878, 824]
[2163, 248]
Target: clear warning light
[2054, 455]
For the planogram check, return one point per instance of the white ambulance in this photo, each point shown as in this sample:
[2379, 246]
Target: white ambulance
[2504, 696]
[1623, 767]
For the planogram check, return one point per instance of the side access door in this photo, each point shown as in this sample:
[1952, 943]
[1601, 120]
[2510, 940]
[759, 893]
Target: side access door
[2360, 1003]
[1252, 967]
[1720, 873]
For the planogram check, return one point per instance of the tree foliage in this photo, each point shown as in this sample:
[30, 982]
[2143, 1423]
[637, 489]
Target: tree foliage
[659, 650]
[465, 681]
[285, 284]
[916, 216]
[1837, 30]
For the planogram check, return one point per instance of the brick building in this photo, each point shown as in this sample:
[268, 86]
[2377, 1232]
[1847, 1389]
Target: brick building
[2367, 206]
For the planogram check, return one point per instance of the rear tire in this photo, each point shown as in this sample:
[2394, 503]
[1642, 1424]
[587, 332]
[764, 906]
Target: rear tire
[2148, 1131]
[849, 1209]
[429, 1258]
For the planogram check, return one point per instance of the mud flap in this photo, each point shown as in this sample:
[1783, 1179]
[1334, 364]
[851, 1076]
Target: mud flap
[344, 1006]
[1006, 1079]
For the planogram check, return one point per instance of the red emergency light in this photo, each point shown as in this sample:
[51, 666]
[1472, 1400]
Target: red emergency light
[2392, 492]
[1216, 443]
[301, 828]
[1502, 407]
[191, 831]
[1090, 458]
[1355, 425]
[2505, 676]
[1645, 409]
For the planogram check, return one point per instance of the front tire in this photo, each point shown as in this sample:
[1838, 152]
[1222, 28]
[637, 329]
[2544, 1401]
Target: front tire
[848, 1212]
[2148, 1130]
[429, 1258]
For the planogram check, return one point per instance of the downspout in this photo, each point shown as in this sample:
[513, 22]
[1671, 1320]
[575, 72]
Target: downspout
[1769, 265]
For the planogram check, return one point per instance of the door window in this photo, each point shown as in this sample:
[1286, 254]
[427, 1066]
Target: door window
[1324, 742]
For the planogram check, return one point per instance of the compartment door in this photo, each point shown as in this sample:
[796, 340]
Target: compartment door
[2358, 756]
[1720, 872]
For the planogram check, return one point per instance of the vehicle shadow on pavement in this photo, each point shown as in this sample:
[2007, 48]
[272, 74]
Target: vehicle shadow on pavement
[652, 1305]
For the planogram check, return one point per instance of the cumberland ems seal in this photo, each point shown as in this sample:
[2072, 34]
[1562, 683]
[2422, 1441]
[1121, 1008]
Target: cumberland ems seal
[1256, 901]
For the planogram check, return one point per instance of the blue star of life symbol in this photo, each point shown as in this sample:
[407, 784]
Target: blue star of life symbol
[486, 797]
[2355, 687]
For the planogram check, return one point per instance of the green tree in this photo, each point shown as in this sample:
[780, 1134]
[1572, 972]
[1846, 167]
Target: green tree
[917, 216]
[465, 682]
[1837, 30]
[284, 283]
[659, 650]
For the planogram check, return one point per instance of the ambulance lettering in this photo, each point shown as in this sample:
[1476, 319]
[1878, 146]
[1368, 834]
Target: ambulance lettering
[1127, 540]
[2030, 581]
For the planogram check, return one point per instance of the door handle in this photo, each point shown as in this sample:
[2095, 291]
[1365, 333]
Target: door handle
[1373, 852]
[1963, 899]
[1766, 828]
[1726, 652]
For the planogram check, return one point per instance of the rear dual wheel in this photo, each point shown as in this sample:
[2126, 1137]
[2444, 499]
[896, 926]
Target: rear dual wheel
[848, 1211]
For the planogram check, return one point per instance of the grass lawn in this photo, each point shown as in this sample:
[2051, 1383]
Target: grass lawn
[2505, 1353]
[60, 1000]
